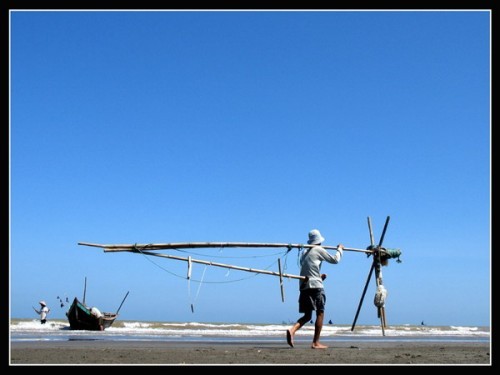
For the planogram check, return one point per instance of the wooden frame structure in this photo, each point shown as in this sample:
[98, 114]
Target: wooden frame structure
[379, 253]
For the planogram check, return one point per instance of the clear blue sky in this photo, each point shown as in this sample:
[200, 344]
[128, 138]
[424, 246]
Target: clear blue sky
[250, 126]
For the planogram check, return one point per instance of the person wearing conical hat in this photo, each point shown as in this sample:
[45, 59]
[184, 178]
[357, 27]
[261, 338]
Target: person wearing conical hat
[44, 310]
[312, 295]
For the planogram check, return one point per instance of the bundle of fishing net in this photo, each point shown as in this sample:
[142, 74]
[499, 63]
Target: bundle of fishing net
[380, 296]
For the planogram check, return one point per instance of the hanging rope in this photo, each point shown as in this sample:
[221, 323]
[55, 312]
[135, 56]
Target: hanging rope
[198, 292]
[299, 255]
[189, 295]
[139, 249]
[229, 257]
[157, 265]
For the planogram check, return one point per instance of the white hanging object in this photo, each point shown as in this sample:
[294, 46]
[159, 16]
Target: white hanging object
[380, 296]
[190, 263]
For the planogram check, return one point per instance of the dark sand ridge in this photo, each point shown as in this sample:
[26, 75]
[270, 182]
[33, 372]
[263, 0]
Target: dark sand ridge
[84, 352]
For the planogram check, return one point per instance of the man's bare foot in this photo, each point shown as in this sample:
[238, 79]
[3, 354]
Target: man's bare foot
[318, 346]
[289, 338]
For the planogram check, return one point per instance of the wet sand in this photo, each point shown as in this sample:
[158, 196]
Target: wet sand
[87, 352]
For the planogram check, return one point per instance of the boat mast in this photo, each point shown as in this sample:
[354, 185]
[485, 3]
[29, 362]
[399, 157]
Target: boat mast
[84, 290]
[122, 303]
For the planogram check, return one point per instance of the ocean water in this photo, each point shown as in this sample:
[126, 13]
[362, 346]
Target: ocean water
[58, 330]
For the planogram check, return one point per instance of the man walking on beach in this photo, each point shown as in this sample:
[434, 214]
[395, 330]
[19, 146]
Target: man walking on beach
[312, 295]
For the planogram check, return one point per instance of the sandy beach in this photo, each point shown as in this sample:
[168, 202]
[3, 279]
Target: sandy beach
[88, 352]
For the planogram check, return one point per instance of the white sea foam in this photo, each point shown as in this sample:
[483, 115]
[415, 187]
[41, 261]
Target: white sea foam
[130, 330]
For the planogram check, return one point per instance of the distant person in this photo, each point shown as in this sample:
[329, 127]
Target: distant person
[422, 323]
[330, 322]
[44, 310]
[312, 295]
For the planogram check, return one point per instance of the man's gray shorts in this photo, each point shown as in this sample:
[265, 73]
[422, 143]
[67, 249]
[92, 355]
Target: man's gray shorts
[312, 299]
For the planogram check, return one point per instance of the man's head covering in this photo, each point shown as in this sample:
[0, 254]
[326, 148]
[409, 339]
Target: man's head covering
[315, 237]
[42, 303]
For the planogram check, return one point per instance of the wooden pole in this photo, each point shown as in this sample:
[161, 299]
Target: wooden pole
[84, 290]
[246, 269]
[378, 280]
[370, 229]
[378, 275]
[281, 281]
[122, 303]
[363, 296]
[372, 244]
[376, 265]
[190, 245]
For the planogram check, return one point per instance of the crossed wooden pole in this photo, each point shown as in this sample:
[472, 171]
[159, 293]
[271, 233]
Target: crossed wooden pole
[377, 266]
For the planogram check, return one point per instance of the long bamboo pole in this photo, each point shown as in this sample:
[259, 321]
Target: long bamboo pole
[209, 263]
[363, 296]
[190, 245]
[281, 281]
[84, 290]
[117, 311]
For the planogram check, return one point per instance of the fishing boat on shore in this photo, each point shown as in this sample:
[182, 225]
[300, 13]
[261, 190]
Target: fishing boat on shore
[83, 317]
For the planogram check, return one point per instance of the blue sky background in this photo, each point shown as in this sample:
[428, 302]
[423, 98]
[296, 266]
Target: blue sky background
[250, 126]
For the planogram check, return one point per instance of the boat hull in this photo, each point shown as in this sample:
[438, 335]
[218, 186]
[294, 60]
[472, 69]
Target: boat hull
[80, 318]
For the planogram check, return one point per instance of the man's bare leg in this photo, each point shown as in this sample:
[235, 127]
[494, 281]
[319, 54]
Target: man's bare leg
[290, 333]
[317, 331]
